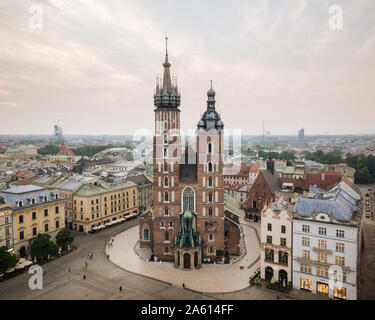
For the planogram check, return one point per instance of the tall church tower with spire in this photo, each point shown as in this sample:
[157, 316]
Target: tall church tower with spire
[188, 223]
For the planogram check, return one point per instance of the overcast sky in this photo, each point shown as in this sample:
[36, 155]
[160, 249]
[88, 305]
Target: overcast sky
[92, 66]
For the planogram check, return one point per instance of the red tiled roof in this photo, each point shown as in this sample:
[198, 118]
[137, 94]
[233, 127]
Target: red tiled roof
[254, 167]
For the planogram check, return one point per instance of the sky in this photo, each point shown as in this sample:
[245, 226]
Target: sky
[90, 65]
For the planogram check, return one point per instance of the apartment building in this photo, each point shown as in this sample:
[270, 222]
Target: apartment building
[326, 237]
[276, 243]
[35, 210]
[6, 234]
[98, 203]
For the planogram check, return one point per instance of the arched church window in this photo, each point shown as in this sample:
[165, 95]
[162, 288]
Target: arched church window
[210, 167]
[188, 199]
[209, 147]
[166, 211]
[210, 181]
[145, 234]
[166, 236]
[165, 167]
[166, 196]
[210, 197]
[166, 181]
[165, 139]
[210, 211]
[165, 153]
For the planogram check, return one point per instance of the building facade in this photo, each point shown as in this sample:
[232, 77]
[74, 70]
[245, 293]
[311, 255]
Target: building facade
[98, 203]
[144, 186]
[35, 210]
[326, 237]
[276, 243]
[187, 222]
[6, 230]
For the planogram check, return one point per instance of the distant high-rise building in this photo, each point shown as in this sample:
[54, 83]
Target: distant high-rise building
[301, 134]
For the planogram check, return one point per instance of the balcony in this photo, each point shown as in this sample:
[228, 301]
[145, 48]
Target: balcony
[322, 250]
[319, 263]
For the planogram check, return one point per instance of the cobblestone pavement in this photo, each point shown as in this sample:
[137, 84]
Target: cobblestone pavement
[103, 278]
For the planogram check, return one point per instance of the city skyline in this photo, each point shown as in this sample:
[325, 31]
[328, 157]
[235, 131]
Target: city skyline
[92, 66]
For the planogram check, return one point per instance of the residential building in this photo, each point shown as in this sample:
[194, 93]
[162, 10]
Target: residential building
[35, 210]
[66, 191]
[6, 230]
[276, 243]
[326, 244]
[236, 175]
[144, 186]
[253, 172]
[98, 203]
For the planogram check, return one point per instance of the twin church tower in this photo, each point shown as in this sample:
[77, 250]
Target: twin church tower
[187, 224]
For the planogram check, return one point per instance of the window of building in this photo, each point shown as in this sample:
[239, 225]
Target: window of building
[210, 197]
[210, 167]
[46, 227]
[165, 167]
[56, 209]
[283, 242]
[166, 236]
[33, 215]
[322, 257]
[166, 182]
[166, 211]
[166, 250]
[210, 237]
[210, 211]
[322, 231]
[22, 235]
[20, 218]
[340, 233]
[339, 293]
[322, 271]
[269, 227]
[283, 229]
[305, 228]
[210, 181]
[188, 199]
[269, 255]
[340, 247]
[306, 241]
[305, 267]
[166, 196]
[57, 224]
[306, 283]
[209, 147]
[322, 244]
[269, 239]
[306, 254]
[283, 257]
[46, 212]
[340, 260]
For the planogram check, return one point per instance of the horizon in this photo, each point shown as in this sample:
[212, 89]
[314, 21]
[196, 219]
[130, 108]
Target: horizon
[91, 66]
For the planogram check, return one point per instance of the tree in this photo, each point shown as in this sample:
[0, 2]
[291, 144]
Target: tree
[42, 247]
[48, 149]
[64, 239]
[7, 260]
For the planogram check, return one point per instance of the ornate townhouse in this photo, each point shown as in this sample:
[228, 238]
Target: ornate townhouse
[35, 210]
[326, 243]
[276, 243]
[6, 230]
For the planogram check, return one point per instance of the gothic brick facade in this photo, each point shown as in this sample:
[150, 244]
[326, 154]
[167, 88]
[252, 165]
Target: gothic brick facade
[188, 189]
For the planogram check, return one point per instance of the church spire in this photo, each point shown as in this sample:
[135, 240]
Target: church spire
[167, 84]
